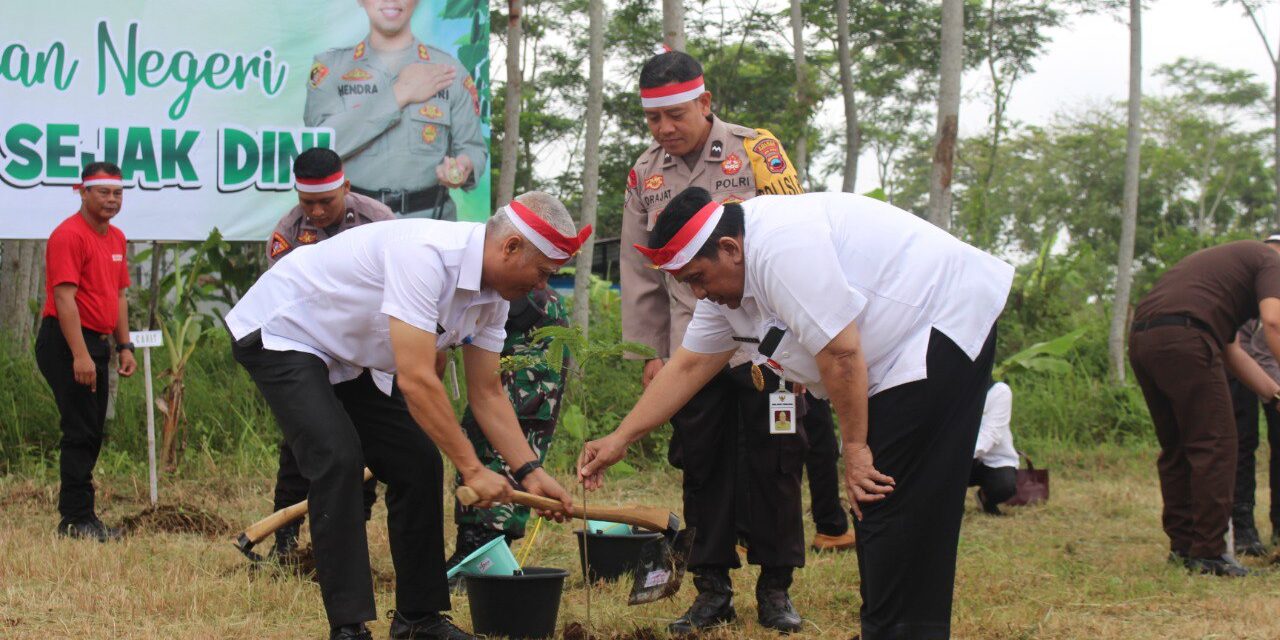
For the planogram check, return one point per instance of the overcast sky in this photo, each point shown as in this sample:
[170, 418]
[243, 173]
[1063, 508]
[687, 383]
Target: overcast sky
[1087, 62]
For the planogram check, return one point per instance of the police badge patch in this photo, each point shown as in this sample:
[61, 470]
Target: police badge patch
[359, 52]
[654, 182]
[307, 236]
[357, 75]
[470, 85]
[717, 149]
[423, 54]
[429, 133]
[632, 179]
[431, 111]
[278, 245]
[318, 73]
[731, 165]
[771, 151]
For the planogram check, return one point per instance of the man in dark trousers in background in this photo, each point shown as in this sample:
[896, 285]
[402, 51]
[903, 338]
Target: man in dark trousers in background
[86, 275]
[326, 207]
[1181, 345]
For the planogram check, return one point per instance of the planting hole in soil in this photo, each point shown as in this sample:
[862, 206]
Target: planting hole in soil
[168, 518]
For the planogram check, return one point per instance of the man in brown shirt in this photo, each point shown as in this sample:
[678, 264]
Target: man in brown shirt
[326, 207]
[732, 466]
[1182, 343]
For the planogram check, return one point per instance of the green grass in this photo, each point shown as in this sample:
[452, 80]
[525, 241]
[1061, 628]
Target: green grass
[1089, 564]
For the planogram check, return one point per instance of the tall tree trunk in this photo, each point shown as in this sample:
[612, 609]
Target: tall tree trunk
[852, 134]
[800, 151]
[511, 110]
[1129, 214]
[590, 163]
[673, 24]
[944, 152]
[21, 287]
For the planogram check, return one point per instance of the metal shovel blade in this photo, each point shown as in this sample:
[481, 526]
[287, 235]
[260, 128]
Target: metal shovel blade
[661, 568]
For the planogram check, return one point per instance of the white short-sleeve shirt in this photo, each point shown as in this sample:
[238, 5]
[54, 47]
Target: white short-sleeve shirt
[995, 439]
[816, 262]
[334, 299]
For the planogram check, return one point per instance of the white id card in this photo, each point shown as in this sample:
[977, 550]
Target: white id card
[782, 413]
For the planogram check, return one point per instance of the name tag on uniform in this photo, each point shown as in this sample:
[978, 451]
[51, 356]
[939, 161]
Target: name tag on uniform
[782, 413]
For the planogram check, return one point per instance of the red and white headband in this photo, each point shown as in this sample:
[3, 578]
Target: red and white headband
[101, 179]
[688, 240]
[320, 185]
[545, 237]
[670, 94]
[1275, 237]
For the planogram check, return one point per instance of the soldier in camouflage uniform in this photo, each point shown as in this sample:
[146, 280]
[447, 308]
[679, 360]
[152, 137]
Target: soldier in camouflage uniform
[405, 115]
[535, 394]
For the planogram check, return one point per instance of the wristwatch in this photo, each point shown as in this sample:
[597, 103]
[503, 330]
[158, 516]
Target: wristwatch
[125, 345]
[525, 469]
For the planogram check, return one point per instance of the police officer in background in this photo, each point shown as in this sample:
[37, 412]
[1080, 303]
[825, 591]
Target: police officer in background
[694, 148]
[406, 115]
[326, 207]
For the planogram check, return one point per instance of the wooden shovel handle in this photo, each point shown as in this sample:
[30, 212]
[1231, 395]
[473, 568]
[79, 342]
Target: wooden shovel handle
[650, 518]
[270, 524]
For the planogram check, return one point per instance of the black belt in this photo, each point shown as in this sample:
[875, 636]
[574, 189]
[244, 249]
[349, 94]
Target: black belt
[402, 202]
[1171, 321]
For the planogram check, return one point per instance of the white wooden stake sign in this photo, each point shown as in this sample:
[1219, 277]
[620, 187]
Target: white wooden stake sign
[145, 340]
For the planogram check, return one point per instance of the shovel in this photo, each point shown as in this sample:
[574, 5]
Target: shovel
[662, 561]
[259, 530]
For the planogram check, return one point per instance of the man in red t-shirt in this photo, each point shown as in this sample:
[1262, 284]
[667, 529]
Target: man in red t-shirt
[85, 279]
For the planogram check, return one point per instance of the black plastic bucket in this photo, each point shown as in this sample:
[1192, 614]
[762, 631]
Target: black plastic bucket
[524, 605]
[612, 556]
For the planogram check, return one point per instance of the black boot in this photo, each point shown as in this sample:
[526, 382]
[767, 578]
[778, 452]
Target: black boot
[1222, 566]
[286, 546]
[773, 605]
[712, 606]
[90, 528]
[350, 632]
[1248, 542]
[428, 626]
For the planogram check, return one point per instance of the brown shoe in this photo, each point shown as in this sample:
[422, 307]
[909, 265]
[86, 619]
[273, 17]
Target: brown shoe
[823, 542]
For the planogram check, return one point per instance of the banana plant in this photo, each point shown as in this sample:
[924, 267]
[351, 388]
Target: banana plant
[1044, 356]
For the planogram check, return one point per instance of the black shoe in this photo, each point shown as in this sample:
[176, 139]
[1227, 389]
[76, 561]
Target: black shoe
[90, 528]
[286, 546]
[433, 626]
[350, 632]
[713, 605]
[776, 612]
[1221, 566]
[1248, 542]
[989, 508]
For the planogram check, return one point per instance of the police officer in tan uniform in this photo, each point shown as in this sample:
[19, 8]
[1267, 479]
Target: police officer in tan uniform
[326, 207]
[406, 115]
[723, 484]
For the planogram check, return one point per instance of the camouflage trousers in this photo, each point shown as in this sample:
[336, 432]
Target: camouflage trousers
[507, 519]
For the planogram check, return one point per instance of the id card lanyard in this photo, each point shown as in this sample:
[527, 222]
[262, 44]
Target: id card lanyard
[782, 403]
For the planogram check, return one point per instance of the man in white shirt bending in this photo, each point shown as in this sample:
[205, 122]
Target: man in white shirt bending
[323, 333]
[888, 316]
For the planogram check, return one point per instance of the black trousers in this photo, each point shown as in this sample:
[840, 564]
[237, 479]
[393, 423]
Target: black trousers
[1245, 403]
[725, 414]
[334, 431]
[82, 414]
[820, 465]
[997, 483]
[921, 434]
[291, 487]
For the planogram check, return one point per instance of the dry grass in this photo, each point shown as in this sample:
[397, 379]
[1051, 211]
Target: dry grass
[1091, 564]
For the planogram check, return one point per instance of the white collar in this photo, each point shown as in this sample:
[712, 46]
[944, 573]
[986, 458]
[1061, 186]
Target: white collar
[472, 260]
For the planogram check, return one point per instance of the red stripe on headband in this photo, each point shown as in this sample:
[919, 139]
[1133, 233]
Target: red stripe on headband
[314, 181]
[682, 238]
[567, 244]
[101, 176]
[671, 89]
